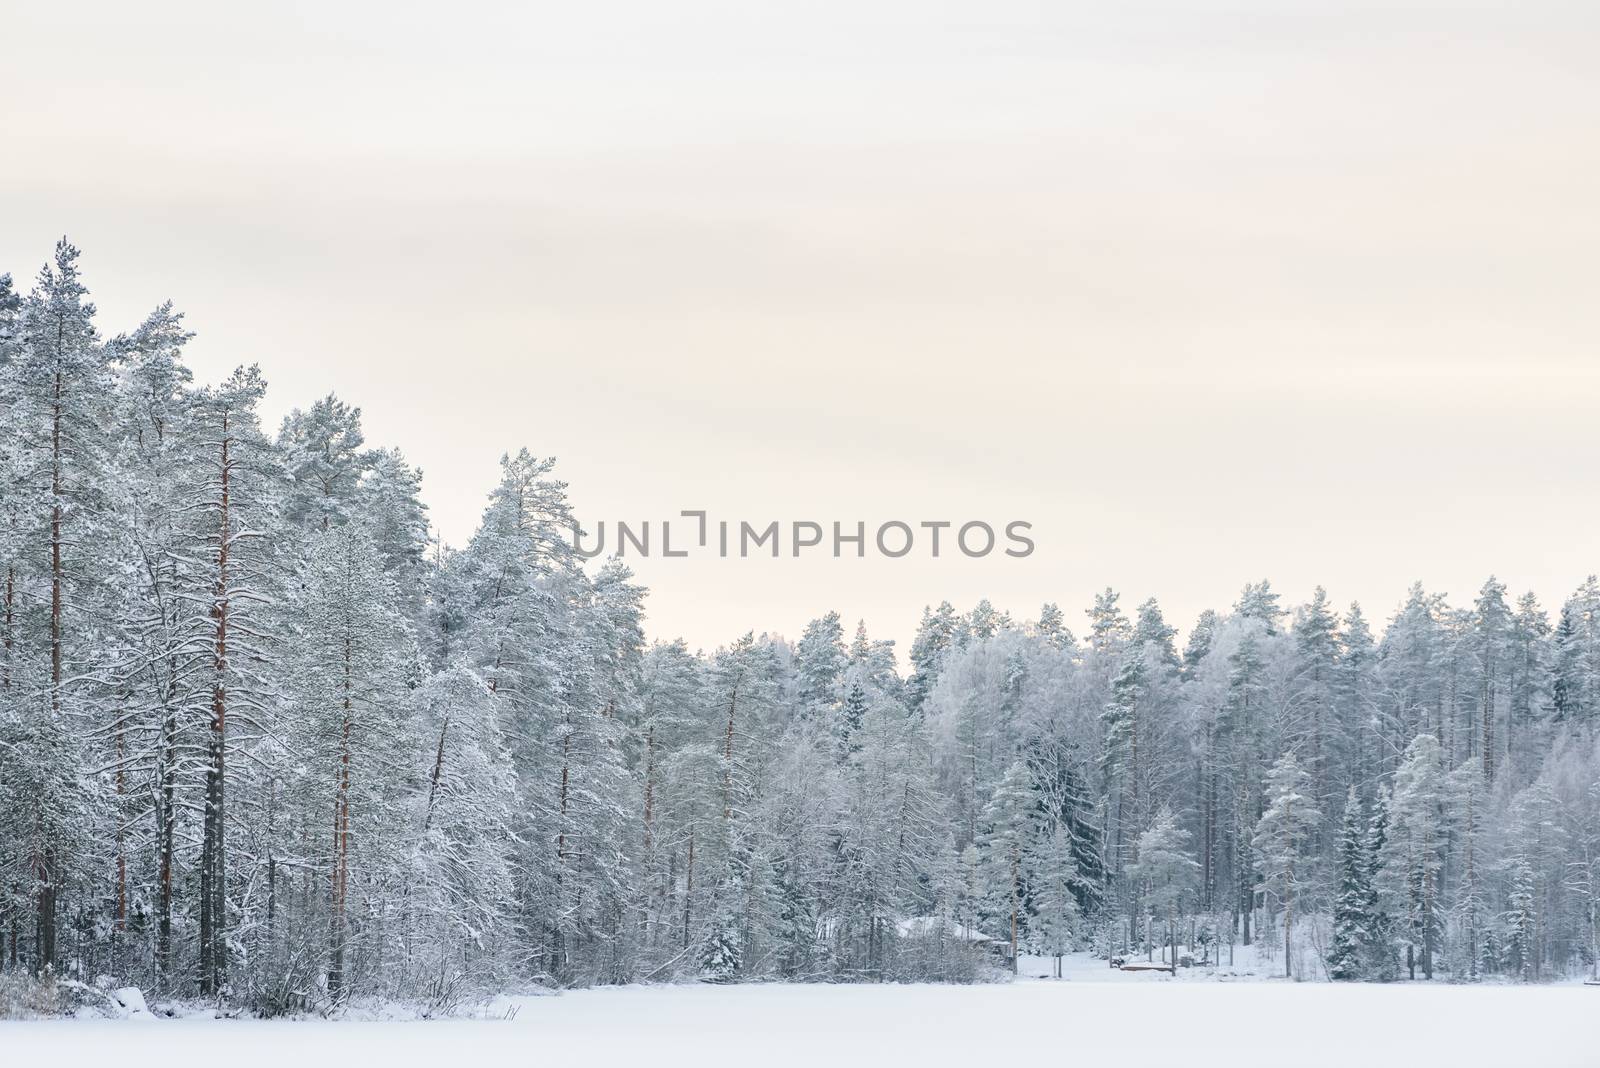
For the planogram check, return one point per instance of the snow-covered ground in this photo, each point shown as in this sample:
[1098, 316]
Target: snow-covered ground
[1124, 1020]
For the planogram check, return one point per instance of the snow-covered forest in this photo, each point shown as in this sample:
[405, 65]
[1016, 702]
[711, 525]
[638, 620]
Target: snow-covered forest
[262, 739]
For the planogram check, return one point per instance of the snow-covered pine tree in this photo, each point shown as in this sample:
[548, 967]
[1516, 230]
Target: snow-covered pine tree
[820, 661]
[1577, 656]
[1356, 701]
[1314, 726]
[354, 727]
[1052, 626]
[1352, 901]
[232, 485]
[1413, 850]
[1068, 819]
[464, 879]
[1283, 844]
[1166, 875]
[160, 632]
[59, 386]
[1466, 794]
[1379, 959]
[1121, 760]
[389, 501]
[1198, 645]
[1527, 670]
[936, 635]
[1009, 830]
[322, 450]
[1239, 729]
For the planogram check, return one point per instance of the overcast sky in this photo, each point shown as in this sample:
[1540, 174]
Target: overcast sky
[1205, 291]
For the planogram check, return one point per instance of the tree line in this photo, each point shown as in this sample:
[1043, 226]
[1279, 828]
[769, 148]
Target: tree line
[262, 739]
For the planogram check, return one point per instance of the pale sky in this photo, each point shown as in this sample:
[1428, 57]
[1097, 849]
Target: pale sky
[1207, 292]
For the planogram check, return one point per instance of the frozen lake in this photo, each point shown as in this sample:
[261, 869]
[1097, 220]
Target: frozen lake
[1149, 1020]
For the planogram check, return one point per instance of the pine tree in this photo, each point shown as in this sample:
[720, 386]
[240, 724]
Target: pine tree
[983, 622]
[1120, 761]
[820, 660]
[1491, 627]
[323, 452]
[1282, 840]
[465, 858]
[1239, 728]
[1108, 627]
[1414, 848]
[1315, 727]
[720, 956]
[1166, 874]
[1068, 818]
[1355, 697]
[1052, 626]
[60, 407]
[390, 503]
[1466, 794]
[1577, 655]
[1198, 645]
[1378, 960]
[353, 713]
[1521, 922]
[1153, 634]
[1057, 916]
[1009, 831]
[1258, 601]
[1528, 674]
[936, 636]
[157, 624]
[1352, 920]
[236, 506]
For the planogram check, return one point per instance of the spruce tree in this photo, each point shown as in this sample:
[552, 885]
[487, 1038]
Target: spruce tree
[1352, 919]
[1379, 961]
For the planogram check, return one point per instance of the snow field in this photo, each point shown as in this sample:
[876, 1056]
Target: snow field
[1151, 1021]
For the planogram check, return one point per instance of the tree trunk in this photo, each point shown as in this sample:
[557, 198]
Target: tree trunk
[122, 795]
[213, 892]
[44, 944]
[55, 550]
[166, 790]
[1133, 772]
[1487, 700]
[649, 789]
[561, 832]
[1427, 912]
[1288, 891]
[1471, 883]
[688, 889]
[433, 780]
[44, 867]
[1288, 935]
[10, 618]
[341, 837]
[727, 756]
[1015, 878]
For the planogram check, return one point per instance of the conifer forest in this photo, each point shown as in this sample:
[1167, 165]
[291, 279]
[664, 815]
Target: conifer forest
[265, 742]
